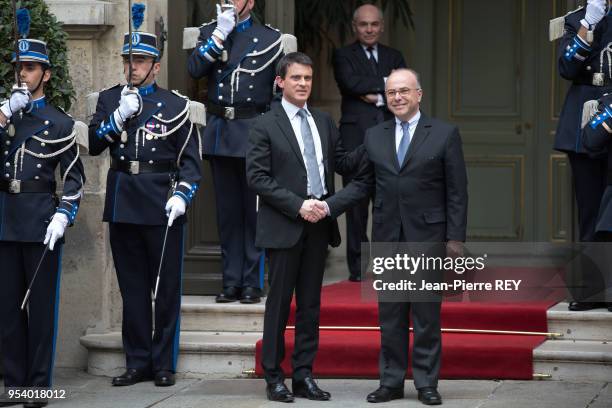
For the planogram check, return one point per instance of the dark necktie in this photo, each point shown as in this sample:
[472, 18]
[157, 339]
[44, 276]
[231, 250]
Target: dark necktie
[310, 156]
[372, 60]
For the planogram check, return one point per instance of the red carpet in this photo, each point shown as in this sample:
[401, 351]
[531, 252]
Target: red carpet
[350, 353]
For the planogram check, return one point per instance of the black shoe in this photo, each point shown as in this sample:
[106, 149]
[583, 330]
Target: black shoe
[385, 394]
[164, 379]
[430, 396]
[229, 294]
[308, 388]
[35, 403]
[7, 401]
[131, 377]
[279, 392]
[250, 295]
[582, 306]
[355, 278]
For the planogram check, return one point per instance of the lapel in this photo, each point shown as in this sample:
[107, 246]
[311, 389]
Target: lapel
[360, 56]
[388, 143]
[420, 134]
[283, 123]
[27, 126]
[382, 59]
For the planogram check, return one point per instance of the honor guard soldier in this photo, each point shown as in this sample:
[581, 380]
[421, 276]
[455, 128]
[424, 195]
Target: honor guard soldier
[153, 177]
[239, 57]
[584, 59]
[36, 138]
[597, 139]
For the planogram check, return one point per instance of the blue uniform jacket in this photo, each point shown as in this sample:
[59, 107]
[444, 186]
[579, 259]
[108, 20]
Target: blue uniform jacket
[596, 138]
[247, 78]
[161, 133]
[43, 140]
[577, 63]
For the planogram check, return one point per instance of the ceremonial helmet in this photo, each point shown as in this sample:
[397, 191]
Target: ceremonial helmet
[30, 50]
[142, 43]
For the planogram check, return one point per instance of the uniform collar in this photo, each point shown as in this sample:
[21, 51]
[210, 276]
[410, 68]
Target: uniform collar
[244, 25]
[36, 104]
[147, 90]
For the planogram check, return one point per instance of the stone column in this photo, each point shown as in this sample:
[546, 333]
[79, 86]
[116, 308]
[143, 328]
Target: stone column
[281, 14]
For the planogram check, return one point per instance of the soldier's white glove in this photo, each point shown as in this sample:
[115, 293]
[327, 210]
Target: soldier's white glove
[129, 104]
[226, 21]
[595, 12]
[56, 229]
[175, 207]
[18, 100]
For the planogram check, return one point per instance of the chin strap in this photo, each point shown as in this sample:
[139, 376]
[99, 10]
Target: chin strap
[146, 76]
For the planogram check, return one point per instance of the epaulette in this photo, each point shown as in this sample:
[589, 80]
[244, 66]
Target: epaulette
[180, 95]
[289, 43]
[59, 108]
[81, 132]
[191, 35]
[92, 100]
[556, 26]
[272, 28]
[589, 108]
[197, 113]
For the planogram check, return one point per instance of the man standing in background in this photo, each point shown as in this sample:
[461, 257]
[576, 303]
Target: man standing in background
[361, 70]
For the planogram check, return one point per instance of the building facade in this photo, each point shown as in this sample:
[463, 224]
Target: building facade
[486, 66]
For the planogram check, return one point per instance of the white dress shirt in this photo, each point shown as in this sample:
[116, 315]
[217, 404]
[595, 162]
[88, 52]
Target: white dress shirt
[413, 121]
[296, 123]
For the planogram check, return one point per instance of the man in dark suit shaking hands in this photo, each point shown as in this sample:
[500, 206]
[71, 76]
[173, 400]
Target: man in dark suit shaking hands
[291, 159]
[416, 165]
[361, 69]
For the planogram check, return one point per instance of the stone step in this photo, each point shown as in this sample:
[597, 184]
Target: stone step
[575, 360]
[202, 354]
[201, 313]
[593, 324]
[232, 355]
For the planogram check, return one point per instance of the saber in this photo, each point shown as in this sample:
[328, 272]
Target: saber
[163, 251]
[161, 261]
[29, 291]
[130, 83]
[16, 34]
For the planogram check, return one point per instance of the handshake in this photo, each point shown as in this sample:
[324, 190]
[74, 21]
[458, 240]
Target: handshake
[314, 210]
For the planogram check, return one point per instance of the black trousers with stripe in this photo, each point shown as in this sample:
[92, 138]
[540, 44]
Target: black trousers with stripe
[29, 336]
[236, 222]
[136, 253]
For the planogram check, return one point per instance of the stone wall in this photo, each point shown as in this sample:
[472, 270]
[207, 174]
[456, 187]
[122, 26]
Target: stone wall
[90, 301]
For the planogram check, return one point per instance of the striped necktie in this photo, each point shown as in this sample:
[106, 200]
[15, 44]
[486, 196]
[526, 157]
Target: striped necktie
[310, 156]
